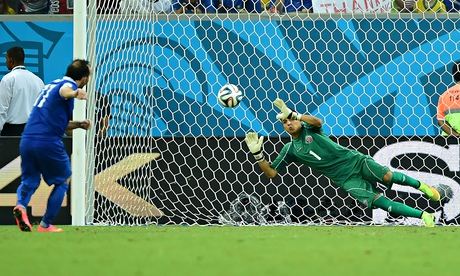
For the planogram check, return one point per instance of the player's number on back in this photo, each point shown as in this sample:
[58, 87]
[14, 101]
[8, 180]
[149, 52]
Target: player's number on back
[44, 95]
[454, 98]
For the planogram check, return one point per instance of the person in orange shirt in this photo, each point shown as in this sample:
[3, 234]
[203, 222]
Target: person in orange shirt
[448, 114]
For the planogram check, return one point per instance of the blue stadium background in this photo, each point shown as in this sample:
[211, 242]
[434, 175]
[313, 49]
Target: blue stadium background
[362, 76]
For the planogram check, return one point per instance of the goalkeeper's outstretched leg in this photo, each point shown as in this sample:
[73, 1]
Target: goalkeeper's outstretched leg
[405, 180]
[401, 209]
[374, 172]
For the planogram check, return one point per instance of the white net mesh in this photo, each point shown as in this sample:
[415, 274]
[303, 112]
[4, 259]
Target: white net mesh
[172, 154]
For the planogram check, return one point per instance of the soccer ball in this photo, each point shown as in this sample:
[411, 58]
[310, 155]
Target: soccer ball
[229, 95]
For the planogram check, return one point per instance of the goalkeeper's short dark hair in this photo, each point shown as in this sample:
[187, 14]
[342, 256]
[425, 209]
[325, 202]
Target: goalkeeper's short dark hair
[456, 71]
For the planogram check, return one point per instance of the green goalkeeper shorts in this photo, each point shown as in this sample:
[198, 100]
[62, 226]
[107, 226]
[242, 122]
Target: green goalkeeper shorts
[373, 171]
[362, 185]
[361, 190]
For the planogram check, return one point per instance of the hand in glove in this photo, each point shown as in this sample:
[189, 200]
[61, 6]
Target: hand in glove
[255, 145]
[286, 112]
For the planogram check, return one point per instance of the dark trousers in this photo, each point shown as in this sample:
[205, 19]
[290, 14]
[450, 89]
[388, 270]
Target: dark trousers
[12, 129]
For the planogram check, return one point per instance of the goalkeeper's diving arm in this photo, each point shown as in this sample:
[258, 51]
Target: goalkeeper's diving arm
[311, 120]
[254, 144]
[287, 113]
[266, 167]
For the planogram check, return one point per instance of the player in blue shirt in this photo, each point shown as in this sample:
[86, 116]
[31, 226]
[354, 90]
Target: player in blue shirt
[297, 6]
[452, 5]
[41, 147]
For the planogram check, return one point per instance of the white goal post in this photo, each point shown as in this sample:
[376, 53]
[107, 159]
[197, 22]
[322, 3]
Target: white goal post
[172, 155]
[78, 206]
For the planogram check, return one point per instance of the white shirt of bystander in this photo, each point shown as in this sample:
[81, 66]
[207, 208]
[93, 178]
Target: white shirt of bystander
[18, 91]
[145, 6]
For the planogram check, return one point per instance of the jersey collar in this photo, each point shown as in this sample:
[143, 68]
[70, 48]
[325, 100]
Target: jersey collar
[69, 79]
[301, 136]
[20, 67]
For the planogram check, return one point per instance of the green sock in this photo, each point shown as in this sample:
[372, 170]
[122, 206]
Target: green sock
[396, 208]
[426, 189]
[400, 178]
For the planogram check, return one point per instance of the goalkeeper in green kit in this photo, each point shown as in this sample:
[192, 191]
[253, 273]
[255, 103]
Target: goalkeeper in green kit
[350, 170]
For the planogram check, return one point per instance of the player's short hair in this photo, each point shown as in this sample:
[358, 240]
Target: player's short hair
[456, 71]
[16, 54]
[78, 69]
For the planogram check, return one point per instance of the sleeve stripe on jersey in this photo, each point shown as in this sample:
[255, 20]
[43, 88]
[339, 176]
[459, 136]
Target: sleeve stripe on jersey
[451, 111]
[283, 156]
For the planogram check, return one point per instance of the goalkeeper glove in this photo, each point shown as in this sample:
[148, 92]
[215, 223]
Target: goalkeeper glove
[286, 112]
[255, 145]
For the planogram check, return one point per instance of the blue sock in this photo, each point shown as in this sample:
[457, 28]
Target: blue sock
[54, 203]
[25, 192]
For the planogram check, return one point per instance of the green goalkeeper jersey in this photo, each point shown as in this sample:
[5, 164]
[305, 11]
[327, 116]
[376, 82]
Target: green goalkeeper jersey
[319, 152]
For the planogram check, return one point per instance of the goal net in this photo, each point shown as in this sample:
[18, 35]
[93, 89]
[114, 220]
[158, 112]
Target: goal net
[165, 152]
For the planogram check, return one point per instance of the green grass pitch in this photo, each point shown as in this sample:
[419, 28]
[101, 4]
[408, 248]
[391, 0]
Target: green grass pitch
[166, 250]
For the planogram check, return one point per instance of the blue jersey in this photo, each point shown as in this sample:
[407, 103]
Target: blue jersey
[297, 5]
[51, 112]
[234, 6]
[452, 5]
